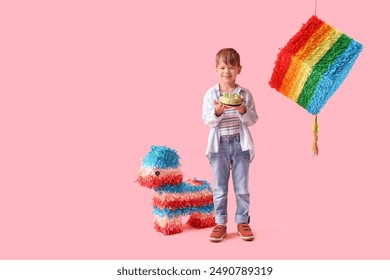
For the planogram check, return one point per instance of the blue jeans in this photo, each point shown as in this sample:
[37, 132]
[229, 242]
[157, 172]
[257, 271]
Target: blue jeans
[231, 157]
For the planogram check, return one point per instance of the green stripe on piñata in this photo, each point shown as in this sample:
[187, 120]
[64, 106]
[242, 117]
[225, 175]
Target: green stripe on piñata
[320, 68]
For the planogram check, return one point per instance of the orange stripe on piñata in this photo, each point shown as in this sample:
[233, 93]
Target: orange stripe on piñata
[298, 74]
[310, 62]
[283, 61]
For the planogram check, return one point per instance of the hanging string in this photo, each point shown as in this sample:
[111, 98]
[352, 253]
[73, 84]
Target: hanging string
[316, 129]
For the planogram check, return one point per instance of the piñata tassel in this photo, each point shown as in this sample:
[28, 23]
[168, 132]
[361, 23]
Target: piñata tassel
[315, 134]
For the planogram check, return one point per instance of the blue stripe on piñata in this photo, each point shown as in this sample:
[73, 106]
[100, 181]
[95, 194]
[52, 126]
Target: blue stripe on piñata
[334, 77]
[184, 187]
[161, 157]
[183, 211]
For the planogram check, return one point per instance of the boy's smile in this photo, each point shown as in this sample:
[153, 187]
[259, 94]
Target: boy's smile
[228, 73]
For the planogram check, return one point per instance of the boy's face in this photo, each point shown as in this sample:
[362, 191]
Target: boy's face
[227, 72]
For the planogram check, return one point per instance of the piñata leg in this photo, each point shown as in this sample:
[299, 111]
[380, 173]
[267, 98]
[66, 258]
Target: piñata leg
[201, 220]
[167, 225]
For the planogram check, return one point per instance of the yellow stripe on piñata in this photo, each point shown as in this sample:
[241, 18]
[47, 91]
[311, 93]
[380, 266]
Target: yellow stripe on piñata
[321, 50]
[304, 60]
[313, 52]
[308, 65]
[311, 60]
[296, 60]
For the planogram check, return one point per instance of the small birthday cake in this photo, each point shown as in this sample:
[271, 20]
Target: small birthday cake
[231, 99]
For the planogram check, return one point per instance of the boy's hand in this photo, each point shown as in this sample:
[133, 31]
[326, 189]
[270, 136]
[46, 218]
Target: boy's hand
[242, 108]
[219, 108]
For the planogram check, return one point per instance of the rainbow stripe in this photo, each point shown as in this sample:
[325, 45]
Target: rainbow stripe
[313, 64]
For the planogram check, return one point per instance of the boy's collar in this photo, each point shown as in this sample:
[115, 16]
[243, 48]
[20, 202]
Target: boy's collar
[216, 87]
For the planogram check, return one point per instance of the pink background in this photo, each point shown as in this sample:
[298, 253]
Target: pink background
[87, 86]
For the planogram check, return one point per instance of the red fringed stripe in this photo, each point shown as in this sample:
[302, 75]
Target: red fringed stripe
[280, 69]
[304, 34]
[283, 61]
[180, 203]
[194, 182]
[152, 181]
[197, 222]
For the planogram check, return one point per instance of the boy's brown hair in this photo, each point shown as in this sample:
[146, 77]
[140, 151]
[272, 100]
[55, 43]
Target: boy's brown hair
[229, 56]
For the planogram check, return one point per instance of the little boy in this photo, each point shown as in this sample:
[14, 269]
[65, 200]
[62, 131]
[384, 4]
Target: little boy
[230, 145]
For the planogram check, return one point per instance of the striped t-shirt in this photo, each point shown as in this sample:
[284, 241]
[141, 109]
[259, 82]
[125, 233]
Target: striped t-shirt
[230, 123]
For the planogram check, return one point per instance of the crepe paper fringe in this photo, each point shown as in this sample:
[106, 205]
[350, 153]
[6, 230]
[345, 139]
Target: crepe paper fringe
[161, 157]
[154, 181]
[185, 211]
[165, 221]
[181, 201]
[165, 197]
[174, 198]
[147, 171]
[309, 54]
[168, 226]
[184, 187]
[200, 220]
[195, 182]
[283, 61]
[316, 129]
[334, 77]
[313, 64]
[319, 70]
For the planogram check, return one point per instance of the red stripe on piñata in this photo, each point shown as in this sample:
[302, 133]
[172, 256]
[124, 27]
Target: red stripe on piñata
[194, 182]
[201, 222]
[183, 203]
[283, 60]
[155, 181]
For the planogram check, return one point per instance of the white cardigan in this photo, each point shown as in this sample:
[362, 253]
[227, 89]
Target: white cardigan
[247, 119]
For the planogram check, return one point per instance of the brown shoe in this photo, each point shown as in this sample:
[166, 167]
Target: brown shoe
[245, 232]
[219, 233]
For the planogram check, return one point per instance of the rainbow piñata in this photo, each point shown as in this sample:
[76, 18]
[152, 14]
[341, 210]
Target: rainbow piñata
[174, 198]
[313, 64]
